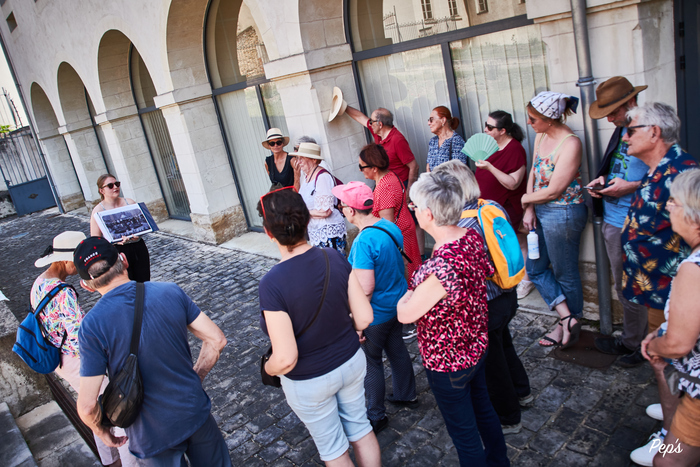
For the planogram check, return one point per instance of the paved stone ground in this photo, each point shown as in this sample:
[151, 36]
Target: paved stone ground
[580, 417]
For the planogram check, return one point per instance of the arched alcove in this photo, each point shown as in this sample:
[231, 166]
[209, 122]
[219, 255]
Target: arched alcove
[113, 70]
[44, 113]
[185, 42]
[72, 94]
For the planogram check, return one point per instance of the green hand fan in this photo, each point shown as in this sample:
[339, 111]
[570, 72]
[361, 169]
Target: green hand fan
[479, 147]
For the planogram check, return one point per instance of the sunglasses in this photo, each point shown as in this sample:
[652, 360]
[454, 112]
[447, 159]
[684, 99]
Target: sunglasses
[372, 122]
[412, 206]
[632, 129]
[431, 120]
[279, 142]
[490, 127]
[112, 185]
[363, 167]
[262, 204]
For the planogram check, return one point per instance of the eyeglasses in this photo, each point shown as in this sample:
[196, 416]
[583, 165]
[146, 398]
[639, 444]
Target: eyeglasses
[490, 127]
[279, 142]
[262, 204]
[372, 122]
[412, 206]
[112, 185]
[363, 167]
[671, 204]
[632, 129]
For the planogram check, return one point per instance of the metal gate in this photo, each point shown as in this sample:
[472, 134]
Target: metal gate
[24, 173]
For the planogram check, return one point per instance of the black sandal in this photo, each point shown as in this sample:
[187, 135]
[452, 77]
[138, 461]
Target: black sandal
[549, 339]
[574, 331]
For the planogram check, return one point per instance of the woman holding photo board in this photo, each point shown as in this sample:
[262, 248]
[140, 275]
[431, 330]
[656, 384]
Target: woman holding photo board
[133, 247]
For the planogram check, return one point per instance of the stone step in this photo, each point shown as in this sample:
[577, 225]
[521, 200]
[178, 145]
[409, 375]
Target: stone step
[53, 440]
[13, 449]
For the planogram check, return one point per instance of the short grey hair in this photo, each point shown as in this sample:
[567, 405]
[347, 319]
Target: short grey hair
[385, 117]
[661, 115]
[303, 139]
[686, 190]
[470, 187]
[441, 192]
[107, 276]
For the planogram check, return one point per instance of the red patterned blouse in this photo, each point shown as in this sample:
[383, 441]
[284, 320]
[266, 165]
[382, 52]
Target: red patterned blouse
[453, 335]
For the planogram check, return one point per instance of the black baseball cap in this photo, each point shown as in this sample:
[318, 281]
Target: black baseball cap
[91, 250]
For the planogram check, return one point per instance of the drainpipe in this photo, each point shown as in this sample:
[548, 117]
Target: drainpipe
[42, 157]
[586, 83]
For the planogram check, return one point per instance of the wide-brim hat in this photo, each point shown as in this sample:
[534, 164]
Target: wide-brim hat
[310, 150]
[61, 248]
[273, 134]
[338, 104]
[611, 94]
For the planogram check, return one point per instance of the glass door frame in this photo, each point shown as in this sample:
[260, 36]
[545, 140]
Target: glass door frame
[443, 40]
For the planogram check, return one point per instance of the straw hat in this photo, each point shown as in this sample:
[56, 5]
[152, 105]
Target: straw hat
[273, 134]
[338, 105]
[61, 249]
[310, 150]
[611, 94]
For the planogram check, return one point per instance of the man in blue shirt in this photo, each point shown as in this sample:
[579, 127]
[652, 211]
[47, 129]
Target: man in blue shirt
[376, 259]
[620, 174]
[174, 419]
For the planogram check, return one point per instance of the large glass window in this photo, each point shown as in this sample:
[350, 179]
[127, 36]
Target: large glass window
[247, 102]
[499, 71]
[377, 23]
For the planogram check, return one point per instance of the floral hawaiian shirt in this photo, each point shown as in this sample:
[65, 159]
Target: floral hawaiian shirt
[651, 250]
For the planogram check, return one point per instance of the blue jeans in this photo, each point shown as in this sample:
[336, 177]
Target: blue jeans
[464, 402]
[559, 228]
[386, 337]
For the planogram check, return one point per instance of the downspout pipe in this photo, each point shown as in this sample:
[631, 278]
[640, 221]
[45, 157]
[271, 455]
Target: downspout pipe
[42, 157]
[586, 84]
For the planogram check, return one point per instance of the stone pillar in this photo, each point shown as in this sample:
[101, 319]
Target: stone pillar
[132, 159]
[305, 85]
[87, 158]
[60, 165]
[216, 211]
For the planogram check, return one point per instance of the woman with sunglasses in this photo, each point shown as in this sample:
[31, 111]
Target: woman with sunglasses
[133, 247]
[390, 200]
[555, 209]
[316, 351]
[446, 144]
[279, 165]
[502, 177]
[447, 300]
[327, 224]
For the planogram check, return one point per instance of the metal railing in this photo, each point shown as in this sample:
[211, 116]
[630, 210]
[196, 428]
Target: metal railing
[401, 32]
[20, 161]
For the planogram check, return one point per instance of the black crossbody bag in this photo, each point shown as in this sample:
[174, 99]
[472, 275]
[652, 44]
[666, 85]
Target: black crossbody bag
[403, 253]
[123, 396]
[274, 381]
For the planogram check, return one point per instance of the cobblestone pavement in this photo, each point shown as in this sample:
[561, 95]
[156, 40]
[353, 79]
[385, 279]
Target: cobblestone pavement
[580, 416]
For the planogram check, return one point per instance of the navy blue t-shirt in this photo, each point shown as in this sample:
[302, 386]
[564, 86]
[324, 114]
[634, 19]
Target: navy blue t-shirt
[175, 405]
[295, 286]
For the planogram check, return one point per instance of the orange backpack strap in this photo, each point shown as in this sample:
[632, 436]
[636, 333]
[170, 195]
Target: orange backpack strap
[473, 212]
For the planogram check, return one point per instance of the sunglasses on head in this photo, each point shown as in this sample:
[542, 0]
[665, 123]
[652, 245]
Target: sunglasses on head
[490, 127]
[278, 142]
[112, 185]
[632, 129]
[262, 204]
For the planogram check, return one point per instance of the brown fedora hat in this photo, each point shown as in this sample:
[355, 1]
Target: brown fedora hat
[611, 94]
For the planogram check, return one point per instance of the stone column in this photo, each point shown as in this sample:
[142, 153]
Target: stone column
[216, 211]
[132, 159]
[87, 158]
[60, 165]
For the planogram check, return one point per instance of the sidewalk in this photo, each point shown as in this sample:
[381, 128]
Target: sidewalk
[580, 417]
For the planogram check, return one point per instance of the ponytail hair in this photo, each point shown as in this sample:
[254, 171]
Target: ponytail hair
[505, 121]
[444, 112]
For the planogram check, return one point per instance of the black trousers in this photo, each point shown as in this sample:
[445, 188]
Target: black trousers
[506, 378]
[139, 260]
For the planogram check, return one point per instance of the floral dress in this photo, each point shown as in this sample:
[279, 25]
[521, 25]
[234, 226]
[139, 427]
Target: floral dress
[651, 250]
[61, 315]
[453, 335]
[451, 149]
[389, 194]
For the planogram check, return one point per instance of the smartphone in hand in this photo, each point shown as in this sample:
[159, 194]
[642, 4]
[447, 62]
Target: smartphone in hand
[595, 187]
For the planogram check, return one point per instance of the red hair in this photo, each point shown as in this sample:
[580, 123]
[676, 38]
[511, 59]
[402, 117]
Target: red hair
[444, 112]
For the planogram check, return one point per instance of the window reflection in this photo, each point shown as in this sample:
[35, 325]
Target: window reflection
[379, 23]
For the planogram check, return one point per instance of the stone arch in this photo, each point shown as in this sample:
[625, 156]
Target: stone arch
[185, 42]
[71, 93]
[44, 113]
[321, 24]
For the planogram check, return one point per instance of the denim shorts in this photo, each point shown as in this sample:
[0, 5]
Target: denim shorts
[332, 406]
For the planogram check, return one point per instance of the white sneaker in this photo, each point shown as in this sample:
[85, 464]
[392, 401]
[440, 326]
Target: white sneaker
[645, 454]
[655, 412]
[524, 288]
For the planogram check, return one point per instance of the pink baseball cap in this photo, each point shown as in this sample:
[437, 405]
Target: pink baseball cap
[357, 195]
